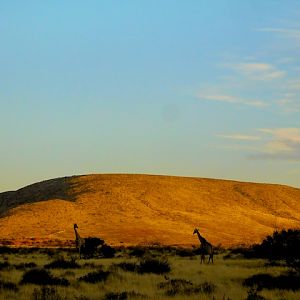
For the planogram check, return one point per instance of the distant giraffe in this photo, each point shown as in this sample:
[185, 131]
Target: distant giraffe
[87, 246]
[79, 241]
[206, 248]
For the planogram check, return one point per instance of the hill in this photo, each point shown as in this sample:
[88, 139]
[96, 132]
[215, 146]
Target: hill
[146, 209]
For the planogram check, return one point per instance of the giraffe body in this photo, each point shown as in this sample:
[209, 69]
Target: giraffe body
[79, 241]
[205, 248]
[86, 246]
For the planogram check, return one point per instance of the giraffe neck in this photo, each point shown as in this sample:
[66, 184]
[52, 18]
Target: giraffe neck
[77, 234]
[201, 239]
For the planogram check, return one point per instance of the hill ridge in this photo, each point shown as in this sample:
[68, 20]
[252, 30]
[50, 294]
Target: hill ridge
[145, 208]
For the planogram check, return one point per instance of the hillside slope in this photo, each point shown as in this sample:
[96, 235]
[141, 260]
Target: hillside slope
[135, 209]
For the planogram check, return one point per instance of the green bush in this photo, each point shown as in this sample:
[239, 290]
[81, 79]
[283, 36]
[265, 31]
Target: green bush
[267, 281]
[42, 277]
[154, 265]
[9, 286]
[127, 266]
[61, 263]
[107, 251]
[94, 277]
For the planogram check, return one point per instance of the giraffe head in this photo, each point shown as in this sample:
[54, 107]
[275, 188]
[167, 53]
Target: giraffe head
[196, 230]
[75, 226]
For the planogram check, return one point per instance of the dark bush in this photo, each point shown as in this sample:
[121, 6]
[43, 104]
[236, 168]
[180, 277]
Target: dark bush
[94, 277]
[185, 252]
[8, 250]
[81, 297]
[153, 265]
[206, 288]
[253, 295]
[10, 286]
[5, 265]
[42, 277]
[91, 247]
[127, 266]
[89, 265]
[137, 252]
[46, 293]
[284, 245]
[116, 296]
[219, 249]
[24, 266]
[267, 281]
[122, 295]
[49, 252]
[175, 287]
[107, 251]
[61, 263]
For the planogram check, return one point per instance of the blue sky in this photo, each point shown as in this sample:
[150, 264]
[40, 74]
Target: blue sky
[189, 88]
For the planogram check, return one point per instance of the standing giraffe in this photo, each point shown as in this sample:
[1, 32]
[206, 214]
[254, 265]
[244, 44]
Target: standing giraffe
[87, 246]
[206, 247]
[79, 241]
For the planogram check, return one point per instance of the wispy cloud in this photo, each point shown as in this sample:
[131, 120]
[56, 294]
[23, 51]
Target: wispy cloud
[294, 84]
[230, 99]
[241, 137]
[282, 143]
[287, 32]
[257, 71]
[286, 60]
[278, 143]
[287, 134]
[290, 102]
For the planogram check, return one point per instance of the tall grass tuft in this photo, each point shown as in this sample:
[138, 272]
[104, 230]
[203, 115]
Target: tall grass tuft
[46, 293]
[175, 287]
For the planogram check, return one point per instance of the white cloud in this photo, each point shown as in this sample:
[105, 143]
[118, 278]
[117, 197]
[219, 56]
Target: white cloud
[257, 71]
[278, 143]
[290, 102]
[284, 134]
[242, 137]
[286, 32]
[293, 84]
[230, 99]
[286, 60]
[281, 143]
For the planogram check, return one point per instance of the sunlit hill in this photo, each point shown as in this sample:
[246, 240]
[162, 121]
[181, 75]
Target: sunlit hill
[146, 209]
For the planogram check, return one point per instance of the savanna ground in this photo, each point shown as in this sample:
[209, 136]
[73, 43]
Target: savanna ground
[134, 273]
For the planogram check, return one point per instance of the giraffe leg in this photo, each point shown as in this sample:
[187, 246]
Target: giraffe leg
[202, 258]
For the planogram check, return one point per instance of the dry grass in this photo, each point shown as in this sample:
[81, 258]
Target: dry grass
[225, 276]
[143, 209]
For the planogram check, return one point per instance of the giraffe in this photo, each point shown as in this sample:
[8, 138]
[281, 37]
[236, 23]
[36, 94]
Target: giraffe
[87, 246]
[79, 241]
[206, 247]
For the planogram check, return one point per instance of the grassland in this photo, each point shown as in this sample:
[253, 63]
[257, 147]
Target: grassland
[187, 278]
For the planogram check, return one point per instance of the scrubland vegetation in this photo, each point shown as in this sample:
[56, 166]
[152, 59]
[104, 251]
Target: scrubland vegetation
[266, 271]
